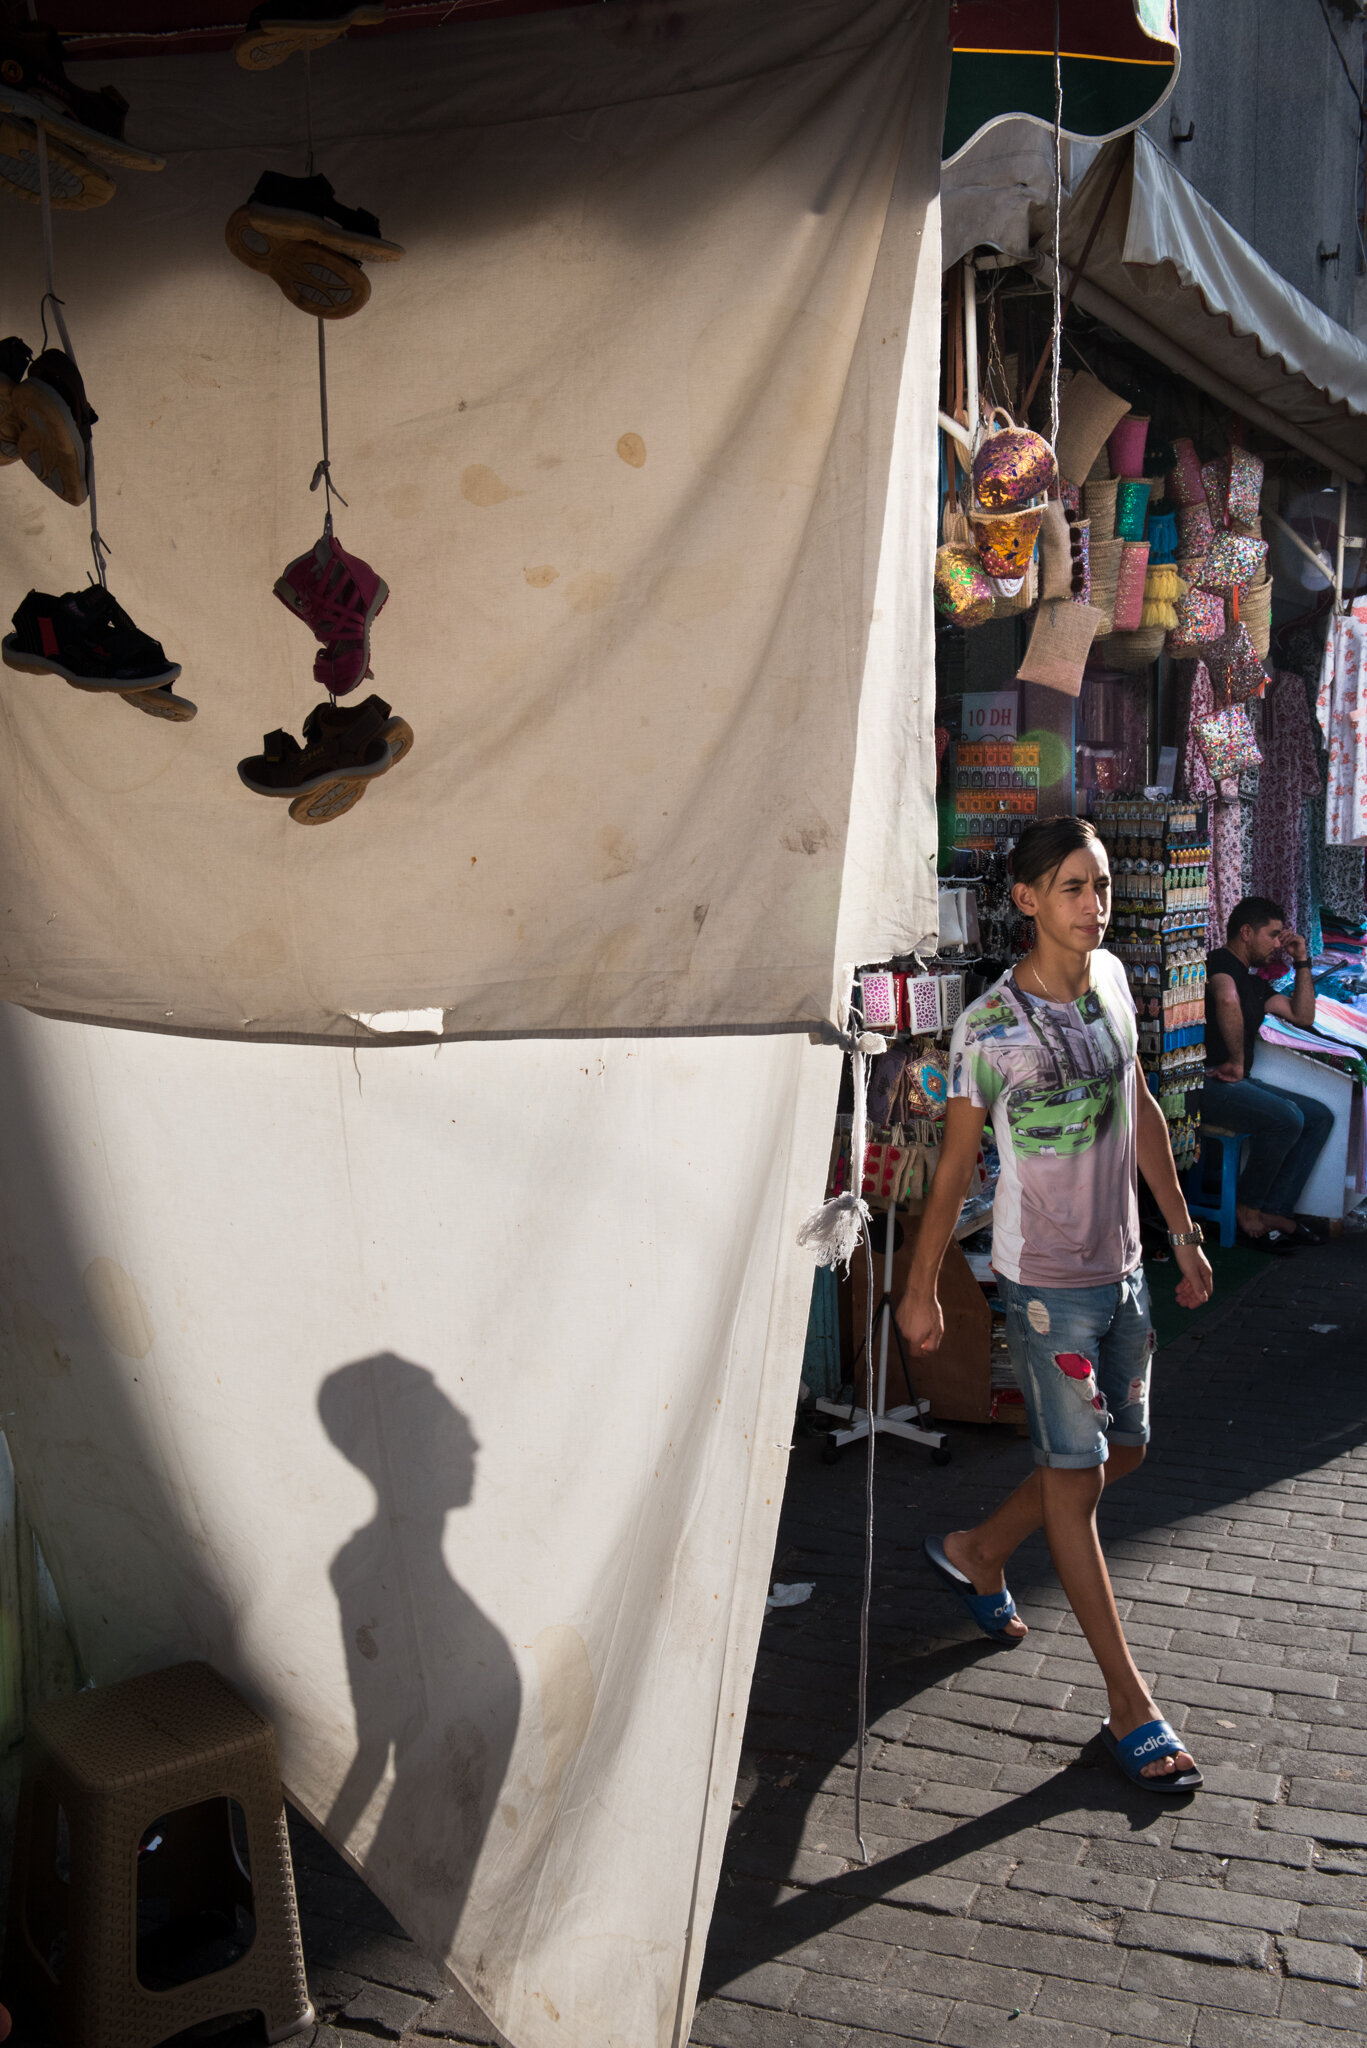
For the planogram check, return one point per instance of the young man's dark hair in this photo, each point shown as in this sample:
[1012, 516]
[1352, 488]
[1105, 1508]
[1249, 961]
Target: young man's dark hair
[1044, 846]
[1254, 911]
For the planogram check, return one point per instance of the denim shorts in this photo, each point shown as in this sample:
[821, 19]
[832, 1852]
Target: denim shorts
[1082, 1356]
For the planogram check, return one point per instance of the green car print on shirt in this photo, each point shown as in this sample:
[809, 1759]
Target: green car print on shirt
[1058, 1122]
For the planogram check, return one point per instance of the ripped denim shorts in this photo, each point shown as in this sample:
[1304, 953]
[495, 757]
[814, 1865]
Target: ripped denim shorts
[1083, 1357]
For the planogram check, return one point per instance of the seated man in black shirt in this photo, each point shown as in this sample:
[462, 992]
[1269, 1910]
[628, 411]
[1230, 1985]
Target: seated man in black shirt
[1287, 1131]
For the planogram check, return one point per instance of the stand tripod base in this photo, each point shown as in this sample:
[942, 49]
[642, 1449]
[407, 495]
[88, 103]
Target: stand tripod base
[904, 1422]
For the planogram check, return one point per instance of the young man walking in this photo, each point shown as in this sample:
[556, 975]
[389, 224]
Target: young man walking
[1049, 1052]
[1288, 1131]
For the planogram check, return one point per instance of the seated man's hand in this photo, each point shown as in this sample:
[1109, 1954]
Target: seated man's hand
[1229, 1070]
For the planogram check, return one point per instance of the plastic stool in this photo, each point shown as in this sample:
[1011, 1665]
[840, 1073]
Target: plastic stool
[175, 1748]
[1231, 1145]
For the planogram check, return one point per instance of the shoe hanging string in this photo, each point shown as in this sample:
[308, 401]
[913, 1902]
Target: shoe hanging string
[98, 547]
[322, 473]
[1057, 349]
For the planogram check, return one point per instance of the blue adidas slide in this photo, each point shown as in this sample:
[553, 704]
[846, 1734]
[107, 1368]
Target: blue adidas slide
[1147, 1745]
[991, 1611]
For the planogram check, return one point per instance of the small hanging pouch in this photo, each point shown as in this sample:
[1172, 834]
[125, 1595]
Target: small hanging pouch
[1233, 558]
[962, 590]
[1235, 670]
[1060, 642]
[1245, 486]
[1012, 466]
[1227, 741]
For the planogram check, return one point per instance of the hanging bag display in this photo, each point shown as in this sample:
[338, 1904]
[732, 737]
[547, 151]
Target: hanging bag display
[1055, 553]
[1236, 673]
[1060, 642]
[1227, 741]
[1013, 465]
[963, 592]
[1087, 413]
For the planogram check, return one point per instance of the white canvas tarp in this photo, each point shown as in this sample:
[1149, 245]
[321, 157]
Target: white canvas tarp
[445, 1407]
[441, 1394]
[623, 431]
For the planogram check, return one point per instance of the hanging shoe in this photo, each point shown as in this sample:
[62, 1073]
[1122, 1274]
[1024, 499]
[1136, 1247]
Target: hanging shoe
[54, 424]
[34, 85]
[73, 181]
[337, 595]
[345, 749]
[89, 640]
[275, 31]
[15, 357]
[328, 286]
[308, 210]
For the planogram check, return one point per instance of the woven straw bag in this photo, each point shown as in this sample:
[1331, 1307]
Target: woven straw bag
[1255, 610]
[1087, 414]
[1059, 645]
[1098, 502]
[1129, 651]
[1105, 578]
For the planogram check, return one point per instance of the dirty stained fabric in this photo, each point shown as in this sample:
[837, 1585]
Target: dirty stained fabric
[453, 1429]
[639, 432]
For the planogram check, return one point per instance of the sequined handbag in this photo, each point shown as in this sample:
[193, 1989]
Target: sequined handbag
[1227, 741]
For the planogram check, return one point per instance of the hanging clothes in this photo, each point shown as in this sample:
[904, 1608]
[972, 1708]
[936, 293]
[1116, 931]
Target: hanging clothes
[1338, 874]
[1289, 778]
[1222, 799]
[1342, 711]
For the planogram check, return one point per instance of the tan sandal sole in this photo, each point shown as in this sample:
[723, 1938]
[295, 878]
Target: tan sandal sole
[75, 184]
[264, 48]
[45, 443]
[318, 282]
[333, 800]
[107, 147]
[323, 234]
[159, 704]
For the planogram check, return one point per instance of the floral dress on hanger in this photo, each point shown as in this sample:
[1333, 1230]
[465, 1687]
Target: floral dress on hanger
[1226, 811]
[1290, 775]
[1342, 711]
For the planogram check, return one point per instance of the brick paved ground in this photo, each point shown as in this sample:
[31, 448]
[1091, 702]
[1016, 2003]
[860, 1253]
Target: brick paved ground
[1019, 1895]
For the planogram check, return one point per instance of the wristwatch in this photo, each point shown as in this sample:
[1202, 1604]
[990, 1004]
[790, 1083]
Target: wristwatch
[1193, 1236]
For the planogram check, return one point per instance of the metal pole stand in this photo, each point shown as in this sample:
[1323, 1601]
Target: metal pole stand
[905, 1420]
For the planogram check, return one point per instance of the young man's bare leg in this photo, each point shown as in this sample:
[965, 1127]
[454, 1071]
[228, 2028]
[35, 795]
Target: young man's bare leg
[982, 1553]
[1070, 1502]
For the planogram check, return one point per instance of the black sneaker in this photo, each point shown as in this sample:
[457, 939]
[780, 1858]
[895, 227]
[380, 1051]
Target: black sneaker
[55, 419]
[34, 86]
[86, 639]
[15, 357]
[280, 27]
[345, 748]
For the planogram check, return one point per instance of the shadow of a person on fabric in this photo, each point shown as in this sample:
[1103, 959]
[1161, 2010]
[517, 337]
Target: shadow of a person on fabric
[433, 1681]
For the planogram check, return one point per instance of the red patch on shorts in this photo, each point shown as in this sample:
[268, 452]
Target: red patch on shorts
[1074, 1364]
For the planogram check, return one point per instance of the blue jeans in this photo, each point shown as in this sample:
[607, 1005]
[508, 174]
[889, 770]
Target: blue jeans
[1287, 1134]
[1082, 1356]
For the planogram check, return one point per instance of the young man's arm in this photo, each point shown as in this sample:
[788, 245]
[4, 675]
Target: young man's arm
[918, 1313]
[1230, 1019]
[1154, 1150]
[1300, 1008]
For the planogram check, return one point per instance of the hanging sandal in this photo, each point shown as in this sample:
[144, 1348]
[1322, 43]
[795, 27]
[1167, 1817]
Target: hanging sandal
[15, 357]
[34, 86]
[337, 596]
[88, 640]
[54, 419]
[162, 703]
[345, 749]
[275, 31]
[315, 280]
[74, 183]
[991, 1611]
[1148, 1745]
[288, 209]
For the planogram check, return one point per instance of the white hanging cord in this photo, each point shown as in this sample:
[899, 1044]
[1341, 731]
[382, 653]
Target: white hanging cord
[866, 1599]
[1058, 234]
[308, 110]
[833, 1232]
[322, 473]
[98, 547]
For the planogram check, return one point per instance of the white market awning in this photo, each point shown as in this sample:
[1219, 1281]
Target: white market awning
[1170, 273]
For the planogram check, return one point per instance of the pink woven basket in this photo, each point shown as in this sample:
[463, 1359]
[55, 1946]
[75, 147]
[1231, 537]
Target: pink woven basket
[1129, 590]
[1127, 444]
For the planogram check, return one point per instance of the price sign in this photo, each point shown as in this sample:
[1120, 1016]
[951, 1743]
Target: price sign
[989, 714]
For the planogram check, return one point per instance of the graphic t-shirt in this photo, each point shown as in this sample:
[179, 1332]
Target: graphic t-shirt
[1059, 1082]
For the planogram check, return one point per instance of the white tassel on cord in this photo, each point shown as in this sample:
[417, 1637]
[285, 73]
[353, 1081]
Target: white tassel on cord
[832, 1231]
